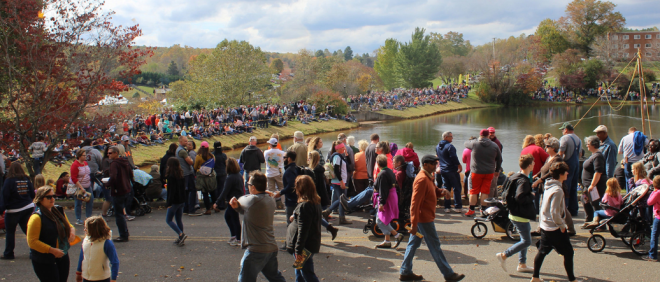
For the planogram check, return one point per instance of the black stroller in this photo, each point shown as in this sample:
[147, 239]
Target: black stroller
[140, 202]
[400, 224]
[498, 215]
[629, 223]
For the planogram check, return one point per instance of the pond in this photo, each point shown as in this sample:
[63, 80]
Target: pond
[511, 125]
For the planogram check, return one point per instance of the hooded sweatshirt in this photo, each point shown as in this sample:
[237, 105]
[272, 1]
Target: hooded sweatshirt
[94, 158]
[252, 157]
[409, 155]
[553, 206]
[121, 174]
[486, 156]
[446, 153]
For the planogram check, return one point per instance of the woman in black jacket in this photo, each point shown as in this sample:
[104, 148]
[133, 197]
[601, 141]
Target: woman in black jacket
[319, 182]
[163, 161]
[520, 203]
[233, 188]
[16, 199]
[305, 234]
[176, 198]
[220, 173]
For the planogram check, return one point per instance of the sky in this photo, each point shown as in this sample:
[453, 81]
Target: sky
[291, 25]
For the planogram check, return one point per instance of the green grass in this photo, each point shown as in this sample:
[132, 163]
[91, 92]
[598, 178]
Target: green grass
[147, 155]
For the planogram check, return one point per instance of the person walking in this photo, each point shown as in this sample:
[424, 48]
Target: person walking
[98, 259]
[338, 183]
[120, 174]
[450, 168]
[632, 148]
[125, 141]
[94, 159]
[305, 233]
[258, 210]
[289, 179]
[609, 150]
[569, 148]
[350, 163]
[485, 161]
[176, 199]
[300, 149]
[80, 176]
[38, 150]
[220, 174]
[205, 181]
[49, 236]
[315, 144]
[233, 189]
[314, 162]
[170, 153]
[17, 205]
[186, 162]
[654, 201]
[553, 226]
[520, 202]
[274, 169]
[467, 155]
[387, 201]
[251, 157]
[422, 217]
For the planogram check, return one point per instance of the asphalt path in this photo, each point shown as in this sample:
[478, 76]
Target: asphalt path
[150, 255]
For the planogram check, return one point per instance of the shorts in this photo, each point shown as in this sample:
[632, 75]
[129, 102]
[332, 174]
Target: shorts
[480, 183]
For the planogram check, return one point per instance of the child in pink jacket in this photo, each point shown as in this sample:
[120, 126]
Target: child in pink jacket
[654, 201]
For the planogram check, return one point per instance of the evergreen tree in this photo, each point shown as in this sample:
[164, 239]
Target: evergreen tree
[172, 69]
[418, 61]
[348, 53]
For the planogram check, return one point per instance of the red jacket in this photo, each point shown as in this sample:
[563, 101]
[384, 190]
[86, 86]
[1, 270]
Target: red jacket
[409, 155]
[539, 156]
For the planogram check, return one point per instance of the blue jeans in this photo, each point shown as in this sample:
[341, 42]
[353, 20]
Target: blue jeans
[336, 193]
[119, 202]
[356, 200]
[525, 231]
[601, 214]
[627, 169]
[88, 206]
[571, 183]
[12, 220]
[233, 222]
[653, 252]
[253, 263]
[36, 165]
[172, 212]
[452, 180]
[306, 274]
[433, 243]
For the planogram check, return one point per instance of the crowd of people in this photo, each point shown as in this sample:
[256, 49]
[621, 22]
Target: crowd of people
[553, 180]
[562, 94]
[401, 99]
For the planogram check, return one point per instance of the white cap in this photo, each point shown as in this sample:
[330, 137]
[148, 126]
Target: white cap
[601, 128]
[125, 138]
[272, 141]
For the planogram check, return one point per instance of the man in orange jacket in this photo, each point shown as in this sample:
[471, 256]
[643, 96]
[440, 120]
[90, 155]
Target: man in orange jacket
[422, 216]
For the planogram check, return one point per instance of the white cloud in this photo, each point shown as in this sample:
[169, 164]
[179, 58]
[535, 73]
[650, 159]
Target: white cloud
[290, 25]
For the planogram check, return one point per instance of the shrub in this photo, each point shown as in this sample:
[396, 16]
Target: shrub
[323, 98]
[649, 76]
[136, 95]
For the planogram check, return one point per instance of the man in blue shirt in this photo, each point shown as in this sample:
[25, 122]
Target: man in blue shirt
[608, 148]
[450, 168]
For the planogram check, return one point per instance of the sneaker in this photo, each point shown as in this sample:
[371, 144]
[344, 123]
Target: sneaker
[648, 258]
[525, 269]
[447, 210]
[231, 240]
[469, 213]
[502, 259]
[235, 243]
[384, 245]
[457, 210]
[410, 277]
[79, 222]
[196, 213]
[130, 217]
[182, 239]
[176, 242]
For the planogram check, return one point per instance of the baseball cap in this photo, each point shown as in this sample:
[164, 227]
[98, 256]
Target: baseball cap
[298, 135]
[341, 137]
[491, 129]
[253, 138]
[125, 138]
[272, 141]
[217, 144]
[601, 128]
[483, 132]
[204, 144]
[566, 125]
[429, 158]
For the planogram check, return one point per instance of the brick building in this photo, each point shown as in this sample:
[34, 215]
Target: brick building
[624, 44]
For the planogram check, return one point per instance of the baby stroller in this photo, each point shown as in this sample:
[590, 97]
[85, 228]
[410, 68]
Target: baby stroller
[498, 215]
[140, 201]
[398, 224]
[629, 223]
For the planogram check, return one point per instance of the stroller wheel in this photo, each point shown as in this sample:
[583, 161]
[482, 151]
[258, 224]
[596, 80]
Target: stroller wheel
[147, 208]
[626, 240]
[596, 243]
[639, 244]
[479, 230]
[139, 212]
[512, 232]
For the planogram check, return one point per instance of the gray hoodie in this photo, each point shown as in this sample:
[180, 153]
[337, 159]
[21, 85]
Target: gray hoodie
[553, 207]
[486, 156]
[94, 158]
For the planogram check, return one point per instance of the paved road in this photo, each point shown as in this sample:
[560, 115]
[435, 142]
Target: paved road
[150, 256]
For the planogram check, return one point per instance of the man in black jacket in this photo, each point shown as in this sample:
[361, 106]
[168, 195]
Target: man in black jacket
[220, 172]
[520, 203]
[289, 191]
[251, 157]
[121, 174]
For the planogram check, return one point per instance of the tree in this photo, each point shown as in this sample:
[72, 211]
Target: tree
[418, 61]
[451, 43]
[348, 53]
[451, 67]
[567, 62]
[172, 69]
[230, 76]
[385, 63]
[593, 72]
[319, 53]
[552, 38]
[54, 71]
[588, 19]
[277, 65]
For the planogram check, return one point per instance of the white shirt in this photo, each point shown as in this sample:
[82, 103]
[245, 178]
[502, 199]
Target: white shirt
[274, 162]
[627, 148]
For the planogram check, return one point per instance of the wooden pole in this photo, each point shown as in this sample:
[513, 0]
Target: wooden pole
[641, 88]
[642, 91]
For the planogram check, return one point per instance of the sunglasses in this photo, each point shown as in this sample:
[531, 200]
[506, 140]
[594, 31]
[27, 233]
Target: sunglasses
[250, 184]
[49, 197]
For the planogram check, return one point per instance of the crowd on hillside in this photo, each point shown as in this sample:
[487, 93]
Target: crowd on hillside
[561, 94]
[401, 99]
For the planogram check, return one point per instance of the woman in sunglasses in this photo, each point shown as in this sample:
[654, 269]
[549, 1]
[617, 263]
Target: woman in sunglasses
[49, 236]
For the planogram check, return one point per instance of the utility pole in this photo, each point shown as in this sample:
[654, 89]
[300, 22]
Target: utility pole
[493, 48]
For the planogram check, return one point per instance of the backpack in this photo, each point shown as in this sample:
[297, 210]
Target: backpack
[507, 194]
[329, 168]
[301, 170]
[207, 168]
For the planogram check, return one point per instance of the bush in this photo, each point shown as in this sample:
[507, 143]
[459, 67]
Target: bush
[136, 95]
[323, 98]
[649, 76]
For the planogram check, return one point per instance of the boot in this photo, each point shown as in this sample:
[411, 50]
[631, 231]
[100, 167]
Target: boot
[207, 212]
[332, 230]
[326, 214]
[594, 223]
[343, 220]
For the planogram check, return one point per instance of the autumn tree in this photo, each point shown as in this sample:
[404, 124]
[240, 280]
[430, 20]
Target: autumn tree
[451, 68]
[552, 38]
[54, 69]
[587, 19]
[452, 43]
[385, 63]
[277, 65]
[172, 69]
[418, 61]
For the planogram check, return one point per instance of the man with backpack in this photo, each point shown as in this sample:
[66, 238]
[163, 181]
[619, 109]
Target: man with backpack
[517, 194]
[289, 191]
[274, 169]
[251, 157]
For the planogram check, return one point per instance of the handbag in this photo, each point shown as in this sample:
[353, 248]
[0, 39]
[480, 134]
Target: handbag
[83, 195]
[71, 189]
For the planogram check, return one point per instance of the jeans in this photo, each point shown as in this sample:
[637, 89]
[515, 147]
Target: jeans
[571, 184]
[107, 195]
[653, 252]
[452, 180]
[253, 263]
[289, 212]
[385, 228]
[53, 272]
[37, 164]
[466, 185]
[233, 222]
[119, 202]
[336, 193]
[359, 199]
[306, 273]
[175, 211]
[627, 169]
[525, 231]
[189, 206]
[88, 206]
[220, 185]
[12, 220]
[601, 214]
[433, 243]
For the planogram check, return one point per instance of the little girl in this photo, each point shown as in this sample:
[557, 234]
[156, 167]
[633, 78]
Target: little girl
[612, 198]
[98, 253]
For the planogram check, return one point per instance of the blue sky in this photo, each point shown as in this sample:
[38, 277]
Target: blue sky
[291, 25]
